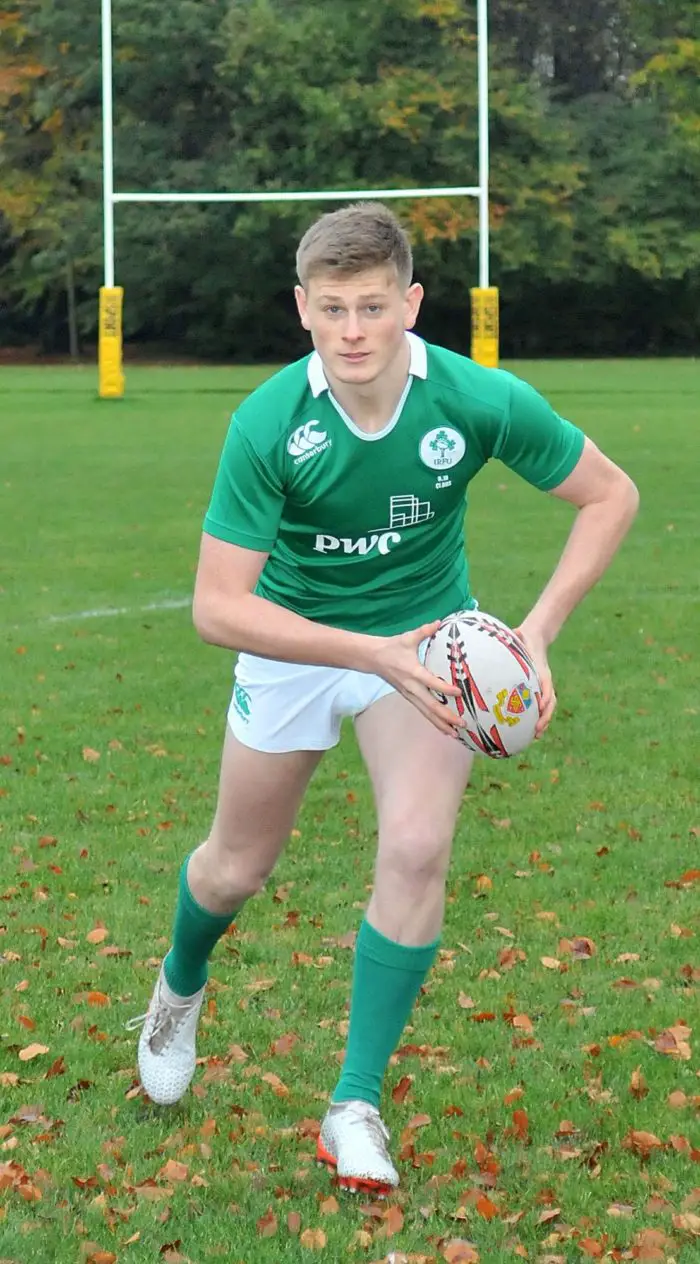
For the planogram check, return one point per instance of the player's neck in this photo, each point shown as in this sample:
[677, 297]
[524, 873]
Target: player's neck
[372, 405]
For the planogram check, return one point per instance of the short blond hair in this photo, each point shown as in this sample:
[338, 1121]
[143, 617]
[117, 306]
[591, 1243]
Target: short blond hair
[354, 239]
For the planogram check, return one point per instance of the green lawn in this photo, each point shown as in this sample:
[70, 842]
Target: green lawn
[560, 1127]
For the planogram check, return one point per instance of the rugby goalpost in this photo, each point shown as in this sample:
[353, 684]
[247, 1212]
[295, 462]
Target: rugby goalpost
[484, 297]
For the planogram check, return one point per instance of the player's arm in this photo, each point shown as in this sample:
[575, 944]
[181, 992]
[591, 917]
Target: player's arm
[227, 612]
[556, 457]
[607, 501]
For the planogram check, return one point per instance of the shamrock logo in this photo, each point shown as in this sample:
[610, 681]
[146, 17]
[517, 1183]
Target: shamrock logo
[442, 443]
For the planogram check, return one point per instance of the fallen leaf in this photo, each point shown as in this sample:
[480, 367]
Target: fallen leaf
[459, 1251]
[641, 1142]
[32, 1051]
[329, 1206]
[464, 1001]
[267, 1224]
[485, 1208]
[550, 1214]
[514, 1096]
[97, 999]
[90, 756]
[551, 963]
[650, 1244]
[638, 1085]
[278, 1087]
[521, 1125]
[293, 1222]
[285, 1044]
[591, 1248]
[174, 1171]
[675, 1042]
[687, 1223]
[419, 1121]
[392, 1222]
[401, 1090]
[313, 1239]
[97, 935]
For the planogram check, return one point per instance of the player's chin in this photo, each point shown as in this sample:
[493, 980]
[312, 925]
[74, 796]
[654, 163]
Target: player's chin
[363, 369]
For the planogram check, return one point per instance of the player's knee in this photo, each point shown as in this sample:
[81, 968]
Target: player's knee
[240, 874]
[417, 851]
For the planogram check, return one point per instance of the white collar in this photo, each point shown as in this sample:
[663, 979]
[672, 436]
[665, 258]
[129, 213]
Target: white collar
[418, 365]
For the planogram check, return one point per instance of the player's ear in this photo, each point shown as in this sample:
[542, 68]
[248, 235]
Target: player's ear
[412, 302]
[302, 306]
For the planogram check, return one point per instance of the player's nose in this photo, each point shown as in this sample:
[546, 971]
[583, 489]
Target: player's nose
[353, 329]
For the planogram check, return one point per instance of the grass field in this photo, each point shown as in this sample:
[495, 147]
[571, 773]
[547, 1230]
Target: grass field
[545, 1099]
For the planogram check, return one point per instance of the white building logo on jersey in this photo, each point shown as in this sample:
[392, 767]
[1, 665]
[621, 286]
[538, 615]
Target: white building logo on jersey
[442, 448]
[404, 511]
[306, 441]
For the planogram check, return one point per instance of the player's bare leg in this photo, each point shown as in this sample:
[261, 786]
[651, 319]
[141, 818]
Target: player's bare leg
[419, 777]
[259, 795]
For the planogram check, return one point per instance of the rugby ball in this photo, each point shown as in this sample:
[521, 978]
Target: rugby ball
[498, 682]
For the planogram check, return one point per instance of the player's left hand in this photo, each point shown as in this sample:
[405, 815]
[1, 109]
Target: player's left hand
[536, 646]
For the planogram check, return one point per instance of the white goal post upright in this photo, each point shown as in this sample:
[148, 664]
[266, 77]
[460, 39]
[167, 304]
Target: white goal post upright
[484, 298]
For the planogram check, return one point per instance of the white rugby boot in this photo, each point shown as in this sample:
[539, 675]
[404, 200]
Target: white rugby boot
[167, 1053]
[353, 1143]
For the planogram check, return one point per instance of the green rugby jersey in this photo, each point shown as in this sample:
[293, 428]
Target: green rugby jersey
[366, 531]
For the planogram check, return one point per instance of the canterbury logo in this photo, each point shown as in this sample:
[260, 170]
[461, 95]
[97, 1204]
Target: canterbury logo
[306, 439]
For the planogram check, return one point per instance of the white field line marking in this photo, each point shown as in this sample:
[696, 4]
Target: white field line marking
[173, 603]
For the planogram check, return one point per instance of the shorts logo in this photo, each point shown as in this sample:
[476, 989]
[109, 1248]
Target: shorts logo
[442, 448]
[306, 441]
[241, 701]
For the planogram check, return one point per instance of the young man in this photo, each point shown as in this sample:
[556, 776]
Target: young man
[332, 546]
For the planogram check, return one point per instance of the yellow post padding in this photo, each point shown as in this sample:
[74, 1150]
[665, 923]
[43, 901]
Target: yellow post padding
[110, 343]
[485, 327]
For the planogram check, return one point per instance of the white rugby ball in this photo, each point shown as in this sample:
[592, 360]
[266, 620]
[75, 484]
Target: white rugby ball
[498, 682]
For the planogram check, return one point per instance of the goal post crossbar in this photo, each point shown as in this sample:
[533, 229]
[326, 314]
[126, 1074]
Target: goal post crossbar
[316, 195]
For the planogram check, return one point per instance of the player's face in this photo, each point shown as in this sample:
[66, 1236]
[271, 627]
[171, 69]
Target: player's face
[357, 323]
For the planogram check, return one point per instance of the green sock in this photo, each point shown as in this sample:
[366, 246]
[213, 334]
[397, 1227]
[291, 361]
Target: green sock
[386, 981]
[195, 933]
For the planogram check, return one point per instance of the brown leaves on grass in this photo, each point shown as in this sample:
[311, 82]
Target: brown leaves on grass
[641, 1143]
[581, 948]
[267, 1224]
[675, 1042]
[459, 1251]
[686, 879]
[638, 1085]
[401, 1089]
[313, 1239]
[97, 935]
[32, 1051]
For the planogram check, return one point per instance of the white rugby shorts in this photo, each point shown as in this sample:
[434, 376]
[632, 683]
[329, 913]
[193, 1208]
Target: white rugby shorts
[280, 707]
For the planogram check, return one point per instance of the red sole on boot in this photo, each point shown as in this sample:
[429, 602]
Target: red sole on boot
[354, 1184]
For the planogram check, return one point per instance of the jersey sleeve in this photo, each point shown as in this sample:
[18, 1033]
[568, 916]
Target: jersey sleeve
[247, 498]
[535, 441]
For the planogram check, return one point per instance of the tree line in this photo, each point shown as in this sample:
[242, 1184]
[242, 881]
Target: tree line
[595, 165]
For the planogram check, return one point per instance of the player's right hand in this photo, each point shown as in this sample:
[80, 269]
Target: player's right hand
[398, 662]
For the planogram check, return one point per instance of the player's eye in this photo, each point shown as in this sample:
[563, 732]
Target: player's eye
[374, 308]
[332, 309]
